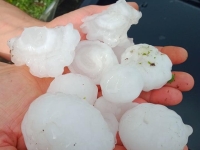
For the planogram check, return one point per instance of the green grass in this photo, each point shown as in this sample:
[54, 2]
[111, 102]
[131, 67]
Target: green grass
[34, 8]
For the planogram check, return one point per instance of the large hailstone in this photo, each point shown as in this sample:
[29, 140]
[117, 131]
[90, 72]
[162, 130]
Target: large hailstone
[60, 122]
[45, 50]
[121, 84]
[153, 127]
[111, 25]
[154, 66]
[93, 59]
[75, 84]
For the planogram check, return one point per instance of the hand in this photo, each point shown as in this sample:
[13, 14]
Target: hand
[19, 88]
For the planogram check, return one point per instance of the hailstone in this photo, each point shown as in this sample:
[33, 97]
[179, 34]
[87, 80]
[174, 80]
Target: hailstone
[93, 59]
[111, 25]
[75, 84]
[153, 127]
[154, 66]
[59, 122]
[46, 51]
[121, 84]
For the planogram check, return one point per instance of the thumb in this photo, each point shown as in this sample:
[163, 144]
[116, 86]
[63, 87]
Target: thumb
[118, 147]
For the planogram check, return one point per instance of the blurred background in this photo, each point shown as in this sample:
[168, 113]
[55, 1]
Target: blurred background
[164, 22]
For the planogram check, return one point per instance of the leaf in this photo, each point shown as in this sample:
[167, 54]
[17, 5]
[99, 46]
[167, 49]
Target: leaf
[172, 79]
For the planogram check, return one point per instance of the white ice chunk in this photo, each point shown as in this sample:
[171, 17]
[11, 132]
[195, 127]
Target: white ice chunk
[153, 127]
[60, 121]
[93, 59]
[112, 24]
[154, 66]
[117, 109]
[112, 122]
[112, 112]
[122, 46]
[124, 107]
[45, 50]
[121, 84]
[75, 84]
[105, 106]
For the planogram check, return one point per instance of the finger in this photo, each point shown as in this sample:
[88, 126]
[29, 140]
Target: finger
[185, 148]
[176, 54]
[166, 96]
[8, 148]
[118, 147]
[134, 5]
[66, 70]
[139, 101]
[182, 81]
[99, 87]
[21, 143]
[99, 94]
[3, 64]
[119, 142]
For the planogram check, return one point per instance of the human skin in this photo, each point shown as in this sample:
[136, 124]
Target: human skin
[18, 88]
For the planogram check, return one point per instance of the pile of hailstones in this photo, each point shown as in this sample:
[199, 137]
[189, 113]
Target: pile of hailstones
[70, 116]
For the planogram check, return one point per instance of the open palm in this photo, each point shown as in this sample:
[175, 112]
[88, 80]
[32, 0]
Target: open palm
[18, 88]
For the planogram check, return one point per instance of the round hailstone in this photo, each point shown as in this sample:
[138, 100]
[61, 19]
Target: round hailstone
[153, 127]
[112, 24]
[121, 84]
[45, 50]
[75, 84]
[154, 66]
[60, 121]
[93, 59]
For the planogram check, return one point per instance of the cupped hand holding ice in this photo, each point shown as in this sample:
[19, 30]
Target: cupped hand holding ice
[25, 87]
[170, 94]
